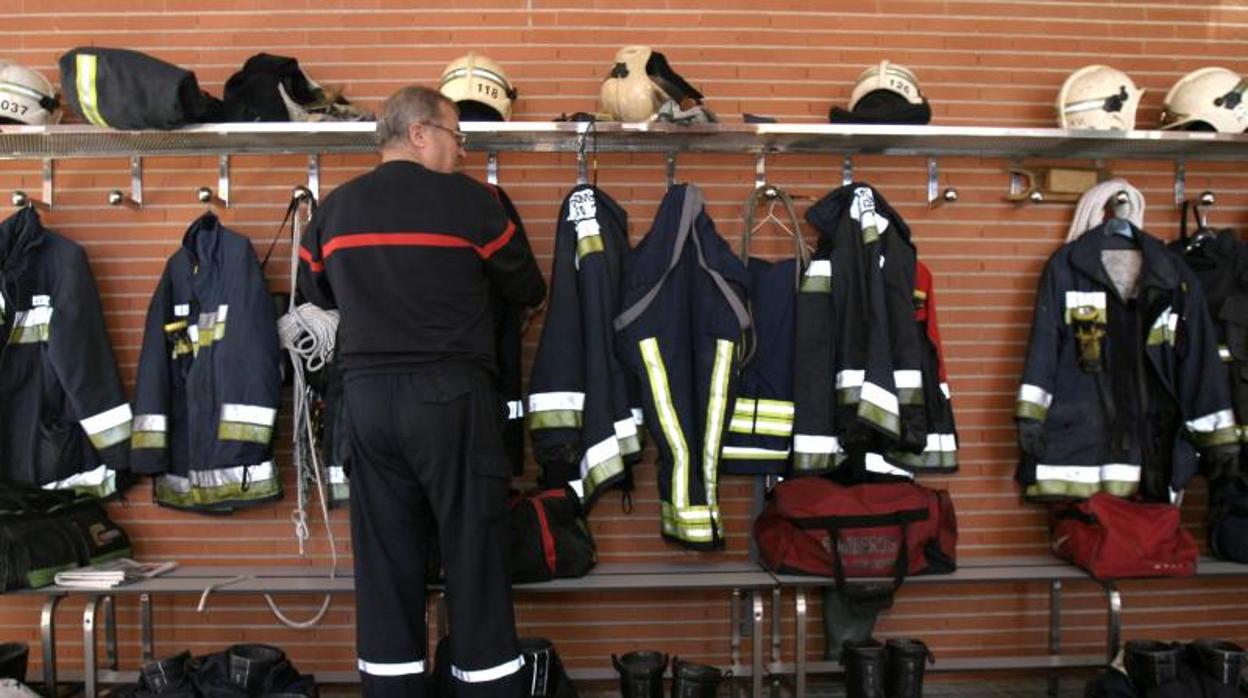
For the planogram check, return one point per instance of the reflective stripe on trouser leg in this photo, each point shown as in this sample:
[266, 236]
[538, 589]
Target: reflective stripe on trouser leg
[467, 478]
[389, 533]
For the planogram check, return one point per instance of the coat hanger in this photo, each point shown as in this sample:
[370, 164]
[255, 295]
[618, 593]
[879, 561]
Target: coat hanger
[1119, 222]
[1200, 211]
[775, 197]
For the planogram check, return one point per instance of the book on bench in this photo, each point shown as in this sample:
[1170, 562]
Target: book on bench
[107, 575]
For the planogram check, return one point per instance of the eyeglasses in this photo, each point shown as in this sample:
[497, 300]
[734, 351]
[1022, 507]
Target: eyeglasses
[459, 136]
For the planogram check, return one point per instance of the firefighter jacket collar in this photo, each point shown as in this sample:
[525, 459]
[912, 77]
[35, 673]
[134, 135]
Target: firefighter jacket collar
[20, 234]
[829, 210]
[1160, 269]
[202, 240]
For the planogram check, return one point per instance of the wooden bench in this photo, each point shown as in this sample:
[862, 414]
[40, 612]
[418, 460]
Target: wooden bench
[739, 577]
[973, 570]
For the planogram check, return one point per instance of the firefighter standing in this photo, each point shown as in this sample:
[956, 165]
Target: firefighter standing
[408, 253]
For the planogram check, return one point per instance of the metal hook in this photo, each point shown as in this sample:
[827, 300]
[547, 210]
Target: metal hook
[950, 194]
[847, 171]
[117, 197]
[1203, 204]
[671, 169]
[760, 170]
[491, 167]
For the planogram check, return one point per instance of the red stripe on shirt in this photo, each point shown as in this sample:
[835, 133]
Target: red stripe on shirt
[306, 256]
[489, 249]
[414, 240]
[401, 239]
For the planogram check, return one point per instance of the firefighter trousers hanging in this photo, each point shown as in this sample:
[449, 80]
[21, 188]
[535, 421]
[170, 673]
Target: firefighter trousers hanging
[425, 446]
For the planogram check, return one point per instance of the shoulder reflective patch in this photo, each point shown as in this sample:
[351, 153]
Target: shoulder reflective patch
[582, 205]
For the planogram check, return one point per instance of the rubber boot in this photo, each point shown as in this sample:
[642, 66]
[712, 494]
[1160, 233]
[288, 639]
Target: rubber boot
[168, 677]
[1222, 661]
[690, 680]
[641, 674]
[904, 663]
[250, 665]
[1151, 663]
[864, 668]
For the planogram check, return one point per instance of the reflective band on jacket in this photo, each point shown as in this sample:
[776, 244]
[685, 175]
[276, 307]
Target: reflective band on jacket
[392, 668]
[100, 482]
[556, 410]
[85, 65]
[494, 673]
[656, 372]
[1033, 402]
[716, 407]
[241, 422]
[109, 427]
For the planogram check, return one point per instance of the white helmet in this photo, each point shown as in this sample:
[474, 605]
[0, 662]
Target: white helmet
[26, 97]
[887, 76]
[628, 93]
[1212, 96]
[479, 86]
[1098, 97]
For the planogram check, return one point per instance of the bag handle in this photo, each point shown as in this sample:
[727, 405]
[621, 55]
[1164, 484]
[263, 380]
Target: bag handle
[900, 566]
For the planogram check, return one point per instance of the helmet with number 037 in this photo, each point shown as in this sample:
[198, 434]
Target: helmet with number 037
[1208, 99]
[886, 76]
[1098, 97]
[26, 97]
[479, 87]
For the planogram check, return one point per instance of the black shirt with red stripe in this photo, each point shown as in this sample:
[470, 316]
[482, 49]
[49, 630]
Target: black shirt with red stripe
[408, 256]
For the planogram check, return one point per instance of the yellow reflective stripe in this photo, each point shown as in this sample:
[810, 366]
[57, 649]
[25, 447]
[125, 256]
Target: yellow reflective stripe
[775, 408]
[656, 372]
[741, 426]
[88, 100]
[716, 405]
[773, 427]
[588, 245]
[242, 431]
[149, 439]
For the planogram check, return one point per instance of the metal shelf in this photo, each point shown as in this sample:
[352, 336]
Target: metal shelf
[42, 142]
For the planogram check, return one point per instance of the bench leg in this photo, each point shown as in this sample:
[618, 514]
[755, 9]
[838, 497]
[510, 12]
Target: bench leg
[775, 631]
[734, 633]
[756, 644]
[1114, 619]
[88, 646]
[1055, 630]
[799, 598]
[147, 636]
[110, 633]
[47, 628]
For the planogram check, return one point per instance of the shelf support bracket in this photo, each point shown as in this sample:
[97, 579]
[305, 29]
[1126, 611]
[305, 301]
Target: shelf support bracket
[314, 175]
[223, 180]
[136, 180]
[48, 169]
[1180, 182]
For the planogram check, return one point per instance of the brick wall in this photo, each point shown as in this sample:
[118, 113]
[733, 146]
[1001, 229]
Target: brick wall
[981, 63]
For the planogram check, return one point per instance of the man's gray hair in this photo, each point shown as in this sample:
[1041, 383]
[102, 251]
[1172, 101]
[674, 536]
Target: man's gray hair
[411, 105]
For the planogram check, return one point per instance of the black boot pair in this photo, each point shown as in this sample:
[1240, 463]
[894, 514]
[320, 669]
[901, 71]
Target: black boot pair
[891, 670]
[641, 676]
[1151, 664]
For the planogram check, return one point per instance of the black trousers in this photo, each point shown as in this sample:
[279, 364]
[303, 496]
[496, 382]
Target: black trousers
[426, 446]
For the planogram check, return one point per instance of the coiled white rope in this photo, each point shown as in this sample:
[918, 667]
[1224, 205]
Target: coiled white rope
[1090, 211]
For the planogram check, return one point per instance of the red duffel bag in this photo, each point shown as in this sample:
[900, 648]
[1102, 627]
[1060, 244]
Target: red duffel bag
[1111, 538]
[818, 527]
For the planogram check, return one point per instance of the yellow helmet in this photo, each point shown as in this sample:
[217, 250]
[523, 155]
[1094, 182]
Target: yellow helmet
[480, 88]
[1212, 96]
